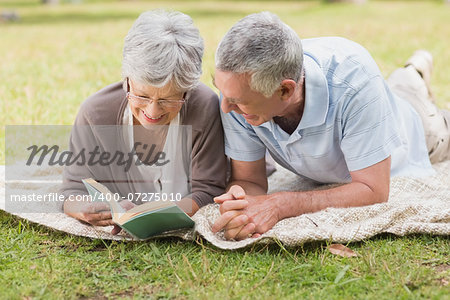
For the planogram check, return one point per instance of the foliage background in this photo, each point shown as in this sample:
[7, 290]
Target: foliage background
[54, 57]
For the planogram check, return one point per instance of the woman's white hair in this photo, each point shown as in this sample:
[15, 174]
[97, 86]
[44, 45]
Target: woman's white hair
[264, 47]
[162, 47]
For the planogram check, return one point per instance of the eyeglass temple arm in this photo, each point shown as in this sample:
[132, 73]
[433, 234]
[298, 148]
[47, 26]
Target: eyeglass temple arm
[128, 85]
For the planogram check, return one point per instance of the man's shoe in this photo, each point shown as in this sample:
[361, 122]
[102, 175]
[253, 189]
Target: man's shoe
[422, 61]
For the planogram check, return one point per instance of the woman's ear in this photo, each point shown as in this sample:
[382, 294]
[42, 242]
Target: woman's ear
[287, 88]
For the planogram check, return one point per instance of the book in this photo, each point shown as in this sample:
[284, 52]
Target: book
[142, 221]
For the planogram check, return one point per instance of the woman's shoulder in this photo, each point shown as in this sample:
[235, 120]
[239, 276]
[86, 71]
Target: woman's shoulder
[104, 107]
[202, 105]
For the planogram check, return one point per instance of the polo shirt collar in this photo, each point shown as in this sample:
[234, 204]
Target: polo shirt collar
[316, 94]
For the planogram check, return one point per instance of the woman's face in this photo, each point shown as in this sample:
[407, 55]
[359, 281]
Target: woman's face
[154, 106]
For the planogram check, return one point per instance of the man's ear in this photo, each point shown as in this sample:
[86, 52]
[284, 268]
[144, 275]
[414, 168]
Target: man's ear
[287, 89]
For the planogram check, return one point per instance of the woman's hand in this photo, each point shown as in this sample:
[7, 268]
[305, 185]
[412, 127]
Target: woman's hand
[94, 213]
[127, 205]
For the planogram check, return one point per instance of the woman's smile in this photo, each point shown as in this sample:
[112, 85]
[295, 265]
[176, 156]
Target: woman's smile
[150, 119]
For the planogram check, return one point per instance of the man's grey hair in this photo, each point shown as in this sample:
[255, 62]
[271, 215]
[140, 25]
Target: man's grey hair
[162, 47]
[265, 48]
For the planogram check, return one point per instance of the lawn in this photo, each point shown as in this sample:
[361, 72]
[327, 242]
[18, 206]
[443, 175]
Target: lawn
[56, 56]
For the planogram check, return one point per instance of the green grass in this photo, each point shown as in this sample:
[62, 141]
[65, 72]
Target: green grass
[54, 57]
[38, 262]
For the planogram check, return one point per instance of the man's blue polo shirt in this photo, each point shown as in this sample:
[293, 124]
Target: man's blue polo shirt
[351, 121]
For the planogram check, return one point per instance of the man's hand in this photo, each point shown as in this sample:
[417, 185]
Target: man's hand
[252, 213]
[235, 192]
[263, 212]
[244, 216]
[232, 217]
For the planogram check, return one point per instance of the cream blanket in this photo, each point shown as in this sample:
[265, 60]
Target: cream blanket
[414, 206]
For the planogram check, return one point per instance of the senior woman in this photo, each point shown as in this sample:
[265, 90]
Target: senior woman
[176, 145]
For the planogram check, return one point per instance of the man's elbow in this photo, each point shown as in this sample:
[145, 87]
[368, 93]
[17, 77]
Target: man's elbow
[384, 198]
[376, 194]
[381, 196]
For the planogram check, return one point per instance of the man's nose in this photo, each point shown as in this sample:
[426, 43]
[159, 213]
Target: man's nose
[226, 106]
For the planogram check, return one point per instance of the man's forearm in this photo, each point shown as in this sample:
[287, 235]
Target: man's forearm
[291, 204]
[250, 188]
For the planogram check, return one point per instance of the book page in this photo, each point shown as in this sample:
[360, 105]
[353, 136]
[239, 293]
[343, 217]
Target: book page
[95, 189]
[144, 208]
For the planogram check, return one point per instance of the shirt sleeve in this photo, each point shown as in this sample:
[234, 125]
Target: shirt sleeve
[81, 138]
[369, 132]
[241, 141]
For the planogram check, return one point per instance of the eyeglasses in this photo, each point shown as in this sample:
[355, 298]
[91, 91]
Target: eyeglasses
[163, 103]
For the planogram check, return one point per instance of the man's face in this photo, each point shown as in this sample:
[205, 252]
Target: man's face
[237, 96]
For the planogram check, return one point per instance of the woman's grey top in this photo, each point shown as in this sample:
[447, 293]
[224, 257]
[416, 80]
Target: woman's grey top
[99, 124]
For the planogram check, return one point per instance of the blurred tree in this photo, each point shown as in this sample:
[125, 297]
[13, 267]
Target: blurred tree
[57, 1]
[349, 1]
[8, 16]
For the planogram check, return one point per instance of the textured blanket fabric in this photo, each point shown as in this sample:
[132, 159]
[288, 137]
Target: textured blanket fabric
[416, 205]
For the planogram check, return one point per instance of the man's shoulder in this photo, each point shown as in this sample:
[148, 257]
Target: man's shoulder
[346, 65]
[341, 56]
[104, 106]
[326, 47]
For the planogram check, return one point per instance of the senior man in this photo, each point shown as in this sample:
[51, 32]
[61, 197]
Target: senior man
[323, 110]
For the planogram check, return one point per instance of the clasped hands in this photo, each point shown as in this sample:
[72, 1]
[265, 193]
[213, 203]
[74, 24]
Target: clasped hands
[244, 216]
